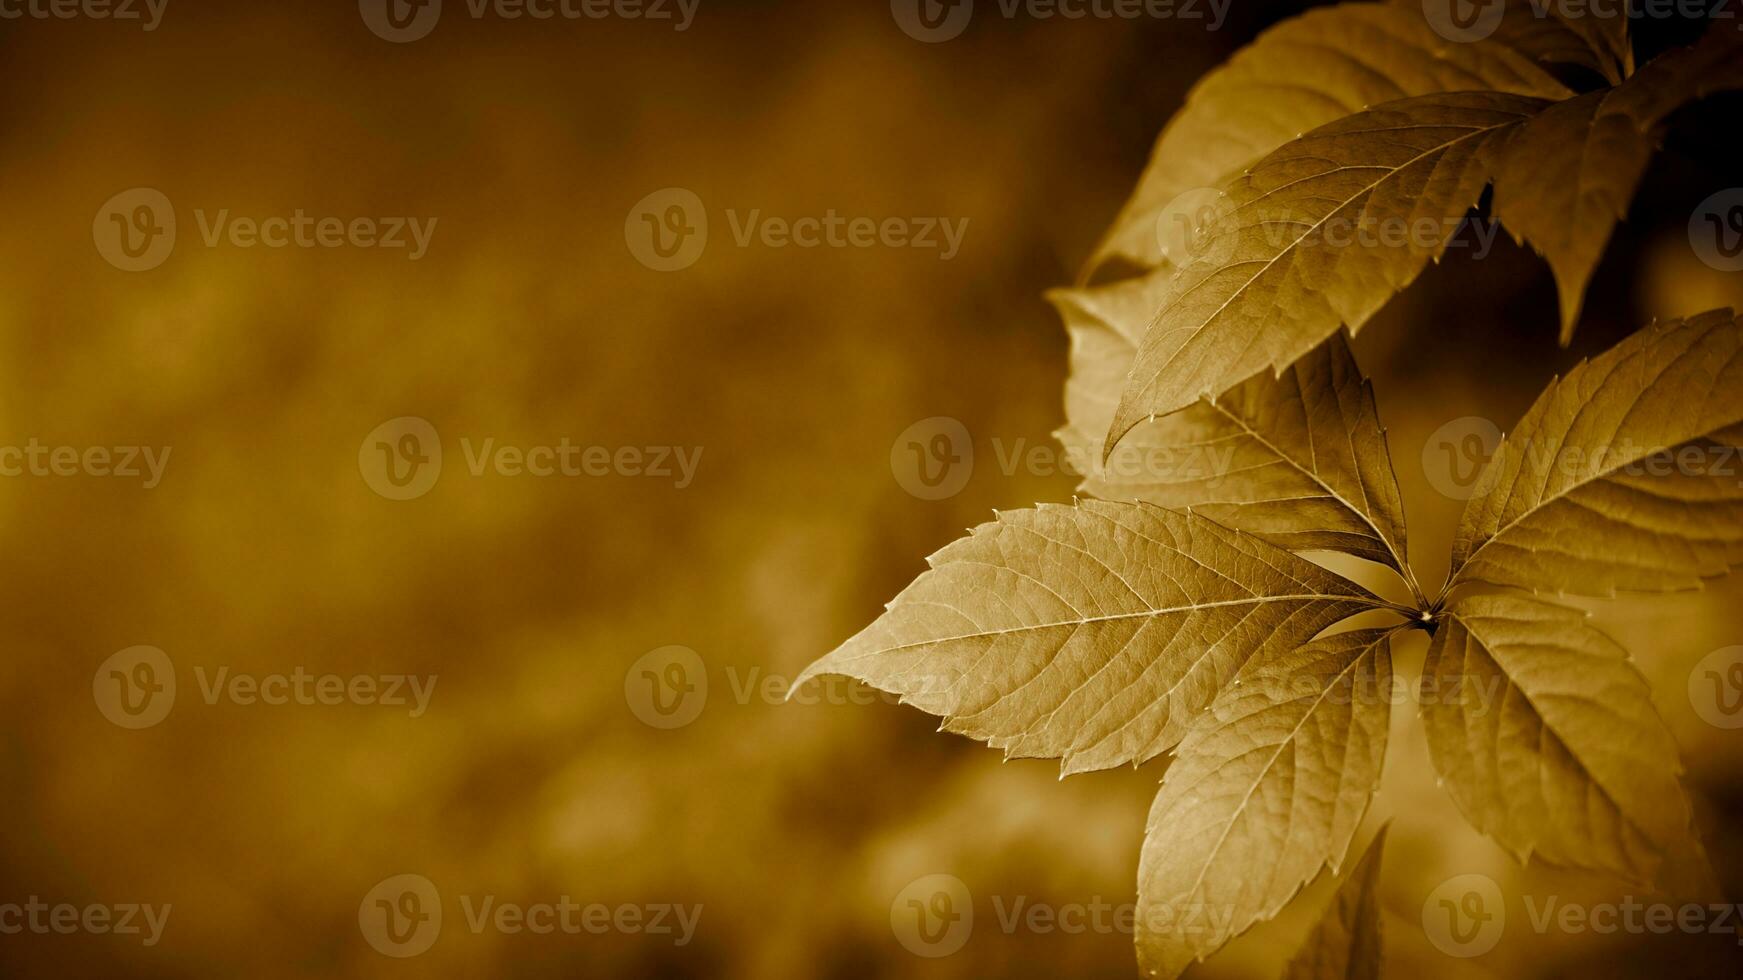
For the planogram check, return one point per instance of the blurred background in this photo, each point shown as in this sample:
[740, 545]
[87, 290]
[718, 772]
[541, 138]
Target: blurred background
[546, 762]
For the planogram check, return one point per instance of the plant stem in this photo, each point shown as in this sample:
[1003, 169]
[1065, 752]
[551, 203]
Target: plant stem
[1415, 587]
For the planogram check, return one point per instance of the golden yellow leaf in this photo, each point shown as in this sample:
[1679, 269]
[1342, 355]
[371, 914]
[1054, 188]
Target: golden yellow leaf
[1299, 460]
[1301, 74]
[1546, 737]
[1623, 475]
[1320, 233]
[1345, 945]
[1093, 633]
[1267, 787]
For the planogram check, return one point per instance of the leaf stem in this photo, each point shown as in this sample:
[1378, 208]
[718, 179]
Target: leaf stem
[1412, 613]
[1422, 603]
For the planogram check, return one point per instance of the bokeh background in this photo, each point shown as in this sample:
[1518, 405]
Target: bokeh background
[529, 320]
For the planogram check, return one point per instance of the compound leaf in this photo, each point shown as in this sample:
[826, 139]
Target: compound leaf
[1093, 633]
[1269, 786]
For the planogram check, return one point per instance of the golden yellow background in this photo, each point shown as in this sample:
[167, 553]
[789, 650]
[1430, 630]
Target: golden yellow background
[795, 369]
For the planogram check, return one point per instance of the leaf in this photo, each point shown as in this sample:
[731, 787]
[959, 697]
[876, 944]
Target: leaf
[1268, 787]
[1299, 460]
[1290, 262]
[1093, 633]
[1345, 945]
[1565, 178]
[1303, 73]
[1545, 736]
[1590, 41]
[1623, 475]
